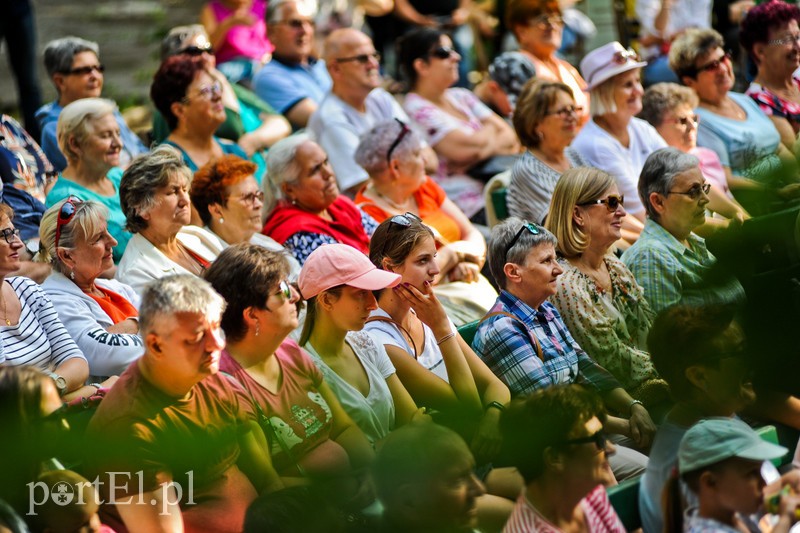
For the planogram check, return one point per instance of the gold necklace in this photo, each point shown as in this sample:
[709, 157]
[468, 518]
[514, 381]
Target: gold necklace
[390, 202]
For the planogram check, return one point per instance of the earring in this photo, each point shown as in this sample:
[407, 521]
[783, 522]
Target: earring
[221, 220]
[258, 329]
[72, 275]
[294, 202]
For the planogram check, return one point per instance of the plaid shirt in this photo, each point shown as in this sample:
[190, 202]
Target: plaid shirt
[670, 273]
[506, 346]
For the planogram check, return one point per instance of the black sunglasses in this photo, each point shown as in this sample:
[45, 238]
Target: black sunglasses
[197, 50]
[83, 71]
[612, 202]
[361, 58]
[599, 439]
[405, 220]
[65, 214]
[442, 52]
[404, 130]
[695, 192]
[526, 226]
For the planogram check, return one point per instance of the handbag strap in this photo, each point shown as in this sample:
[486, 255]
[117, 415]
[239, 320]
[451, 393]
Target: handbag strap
[403, 330]
[264, 420]
[536, 346]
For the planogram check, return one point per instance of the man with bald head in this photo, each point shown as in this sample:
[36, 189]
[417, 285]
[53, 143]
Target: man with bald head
[353, 106]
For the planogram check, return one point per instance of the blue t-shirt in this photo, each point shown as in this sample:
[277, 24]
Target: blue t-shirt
[47, 116]
[746, 146]
[116, 219]
[283, 85]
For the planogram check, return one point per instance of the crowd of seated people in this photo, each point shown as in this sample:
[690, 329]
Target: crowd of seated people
[285, 310]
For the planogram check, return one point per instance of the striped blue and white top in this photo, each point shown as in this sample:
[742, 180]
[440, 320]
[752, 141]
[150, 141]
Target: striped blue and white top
[39, 339]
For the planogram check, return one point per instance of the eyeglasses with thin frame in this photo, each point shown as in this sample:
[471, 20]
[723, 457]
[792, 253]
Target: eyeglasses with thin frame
[791, 38]
[532, 228]
[251, 197]
[599, 439]
[197, 50]
[612, 202]
[695, 192]
[443, 52]
[83, 71]
[545, 20]
[404, 130]
[568, 111]
[685, 122]
[206, 92]
[65, 215]
[715, 64]
[297, 24]
[9, 234]
[362, 59]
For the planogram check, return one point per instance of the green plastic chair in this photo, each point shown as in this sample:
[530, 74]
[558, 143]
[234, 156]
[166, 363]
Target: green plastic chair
[468, 330]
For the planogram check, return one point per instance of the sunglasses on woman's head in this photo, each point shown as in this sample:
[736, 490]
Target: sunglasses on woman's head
[404, 130]
[405, 220]
[65, 214]
[532, 228]
[612, 202]
[443, 52]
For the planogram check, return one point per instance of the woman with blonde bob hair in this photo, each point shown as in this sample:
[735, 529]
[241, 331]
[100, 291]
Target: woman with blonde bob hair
[546, 120]
[100, 314]
[597, 296]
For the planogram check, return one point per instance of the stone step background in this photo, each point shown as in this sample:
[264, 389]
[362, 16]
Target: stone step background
[129, 32]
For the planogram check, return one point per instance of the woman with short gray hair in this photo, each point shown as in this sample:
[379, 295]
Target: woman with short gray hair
[310, 212]
[76, 72]
[89, 136]
[154, 195]
[391, 153]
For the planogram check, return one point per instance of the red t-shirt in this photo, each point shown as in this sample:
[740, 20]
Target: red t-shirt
[298, 412]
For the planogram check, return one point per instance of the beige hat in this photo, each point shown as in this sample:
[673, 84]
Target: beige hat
[606, 62]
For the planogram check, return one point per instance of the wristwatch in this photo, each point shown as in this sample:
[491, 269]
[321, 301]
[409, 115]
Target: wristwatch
[61, 383]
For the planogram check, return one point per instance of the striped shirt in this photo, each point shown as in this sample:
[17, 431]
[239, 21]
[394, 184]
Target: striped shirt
[39, 339]
[598, 513]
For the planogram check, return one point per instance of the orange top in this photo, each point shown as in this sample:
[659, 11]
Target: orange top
[429, 198]
[115, 306]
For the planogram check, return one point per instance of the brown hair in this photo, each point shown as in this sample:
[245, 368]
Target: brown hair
[395, 242]
[532, 107]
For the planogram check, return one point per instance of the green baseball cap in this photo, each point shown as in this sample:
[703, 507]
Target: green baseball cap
[715, 439]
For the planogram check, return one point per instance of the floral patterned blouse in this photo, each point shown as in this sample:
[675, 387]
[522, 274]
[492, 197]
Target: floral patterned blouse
[772, 104]
[611, 328]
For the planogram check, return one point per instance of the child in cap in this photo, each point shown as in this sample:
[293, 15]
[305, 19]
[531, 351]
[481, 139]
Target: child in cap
[720, 460]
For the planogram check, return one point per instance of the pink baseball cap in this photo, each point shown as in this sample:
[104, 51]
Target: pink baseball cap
[339, 264]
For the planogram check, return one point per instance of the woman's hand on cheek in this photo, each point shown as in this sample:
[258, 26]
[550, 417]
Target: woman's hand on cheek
[427, 307]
